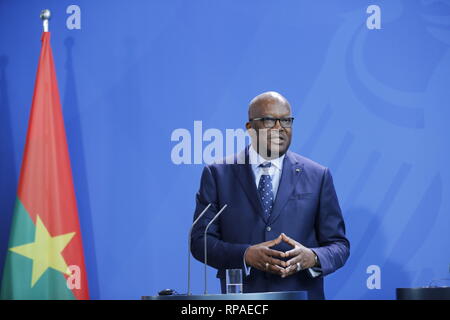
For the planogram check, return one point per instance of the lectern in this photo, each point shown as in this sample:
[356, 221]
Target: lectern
[438, 293]
[288, 295]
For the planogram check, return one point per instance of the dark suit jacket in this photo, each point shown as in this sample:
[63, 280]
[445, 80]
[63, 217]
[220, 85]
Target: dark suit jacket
[306, 209]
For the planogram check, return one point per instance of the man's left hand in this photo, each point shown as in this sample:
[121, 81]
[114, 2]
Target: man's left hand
[301, 257]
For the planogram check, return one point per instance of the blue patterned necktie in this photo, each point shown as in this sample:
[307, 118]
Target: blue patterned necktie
[265, 189]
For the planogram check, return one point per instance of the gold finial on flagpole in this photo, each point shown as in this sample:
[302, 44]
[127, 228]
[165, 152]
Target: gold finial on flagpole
[45, 16]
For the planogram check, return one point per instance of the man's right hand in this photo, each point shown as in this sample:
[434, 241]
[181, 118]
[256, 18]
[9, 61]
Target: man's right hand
[261, 257]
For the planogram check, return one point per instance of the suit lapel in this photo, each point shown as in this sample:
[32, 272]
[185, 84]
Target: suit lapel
[246, 177]
[292, 171]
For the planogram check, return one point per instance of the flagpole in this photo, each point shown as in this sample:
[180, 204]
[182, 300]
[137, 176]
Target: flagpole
[45, 16]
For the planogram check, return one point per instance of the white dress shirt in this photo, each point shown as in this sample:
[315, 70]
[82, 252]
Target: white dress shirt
[274, 170]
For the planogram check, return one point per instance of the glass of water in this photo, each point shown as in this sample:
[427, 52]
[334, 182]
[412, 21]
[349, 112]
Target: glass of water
[234, 280]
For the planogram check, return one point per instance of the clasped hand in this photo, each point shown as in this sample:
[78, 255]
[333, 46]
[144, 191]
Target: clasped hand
[262, 257]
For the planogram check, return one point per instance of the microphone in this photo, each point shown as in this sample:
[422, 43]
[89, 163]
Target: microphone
[206, 230]
[189, 248]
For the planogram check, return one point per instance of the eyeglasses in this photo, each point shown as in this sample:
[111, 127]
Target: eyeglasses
[271, 122]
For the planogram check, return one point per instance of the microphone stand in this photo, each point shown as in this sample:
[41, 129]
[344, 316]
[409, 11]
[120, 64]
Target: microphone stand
[189, 248]
[205, 239]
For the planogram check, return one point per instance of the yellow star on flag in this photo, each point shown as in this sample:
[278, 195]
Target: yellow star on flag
[45, 251]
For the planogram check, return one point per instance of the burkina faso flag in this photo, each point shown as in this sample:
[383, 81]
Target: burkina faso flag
[45, 253]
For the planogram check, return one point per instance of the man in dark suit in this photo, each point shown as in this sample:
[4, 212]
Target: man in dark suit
[283, 225]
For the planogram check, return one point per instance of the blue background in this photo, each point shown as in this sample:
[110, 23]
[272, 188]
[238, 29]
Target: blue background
[373, 105]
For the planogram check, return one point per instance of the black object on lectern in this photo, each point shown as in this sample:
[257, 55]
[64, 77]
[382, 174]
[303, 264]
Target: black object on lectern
[288, 295]
[435, 293]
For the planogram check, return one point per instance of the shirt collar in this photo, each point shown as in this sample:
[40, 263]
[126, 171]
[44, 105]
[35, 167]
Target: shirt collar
[256, 159]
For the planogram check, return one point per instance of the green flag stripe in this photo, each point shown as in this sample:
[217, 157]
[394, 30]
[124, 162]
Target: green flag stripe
[16, 283]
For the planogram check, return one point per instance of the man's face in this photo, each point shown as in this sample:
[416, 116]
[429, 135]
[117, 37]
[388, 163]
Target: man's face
[271, 142]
